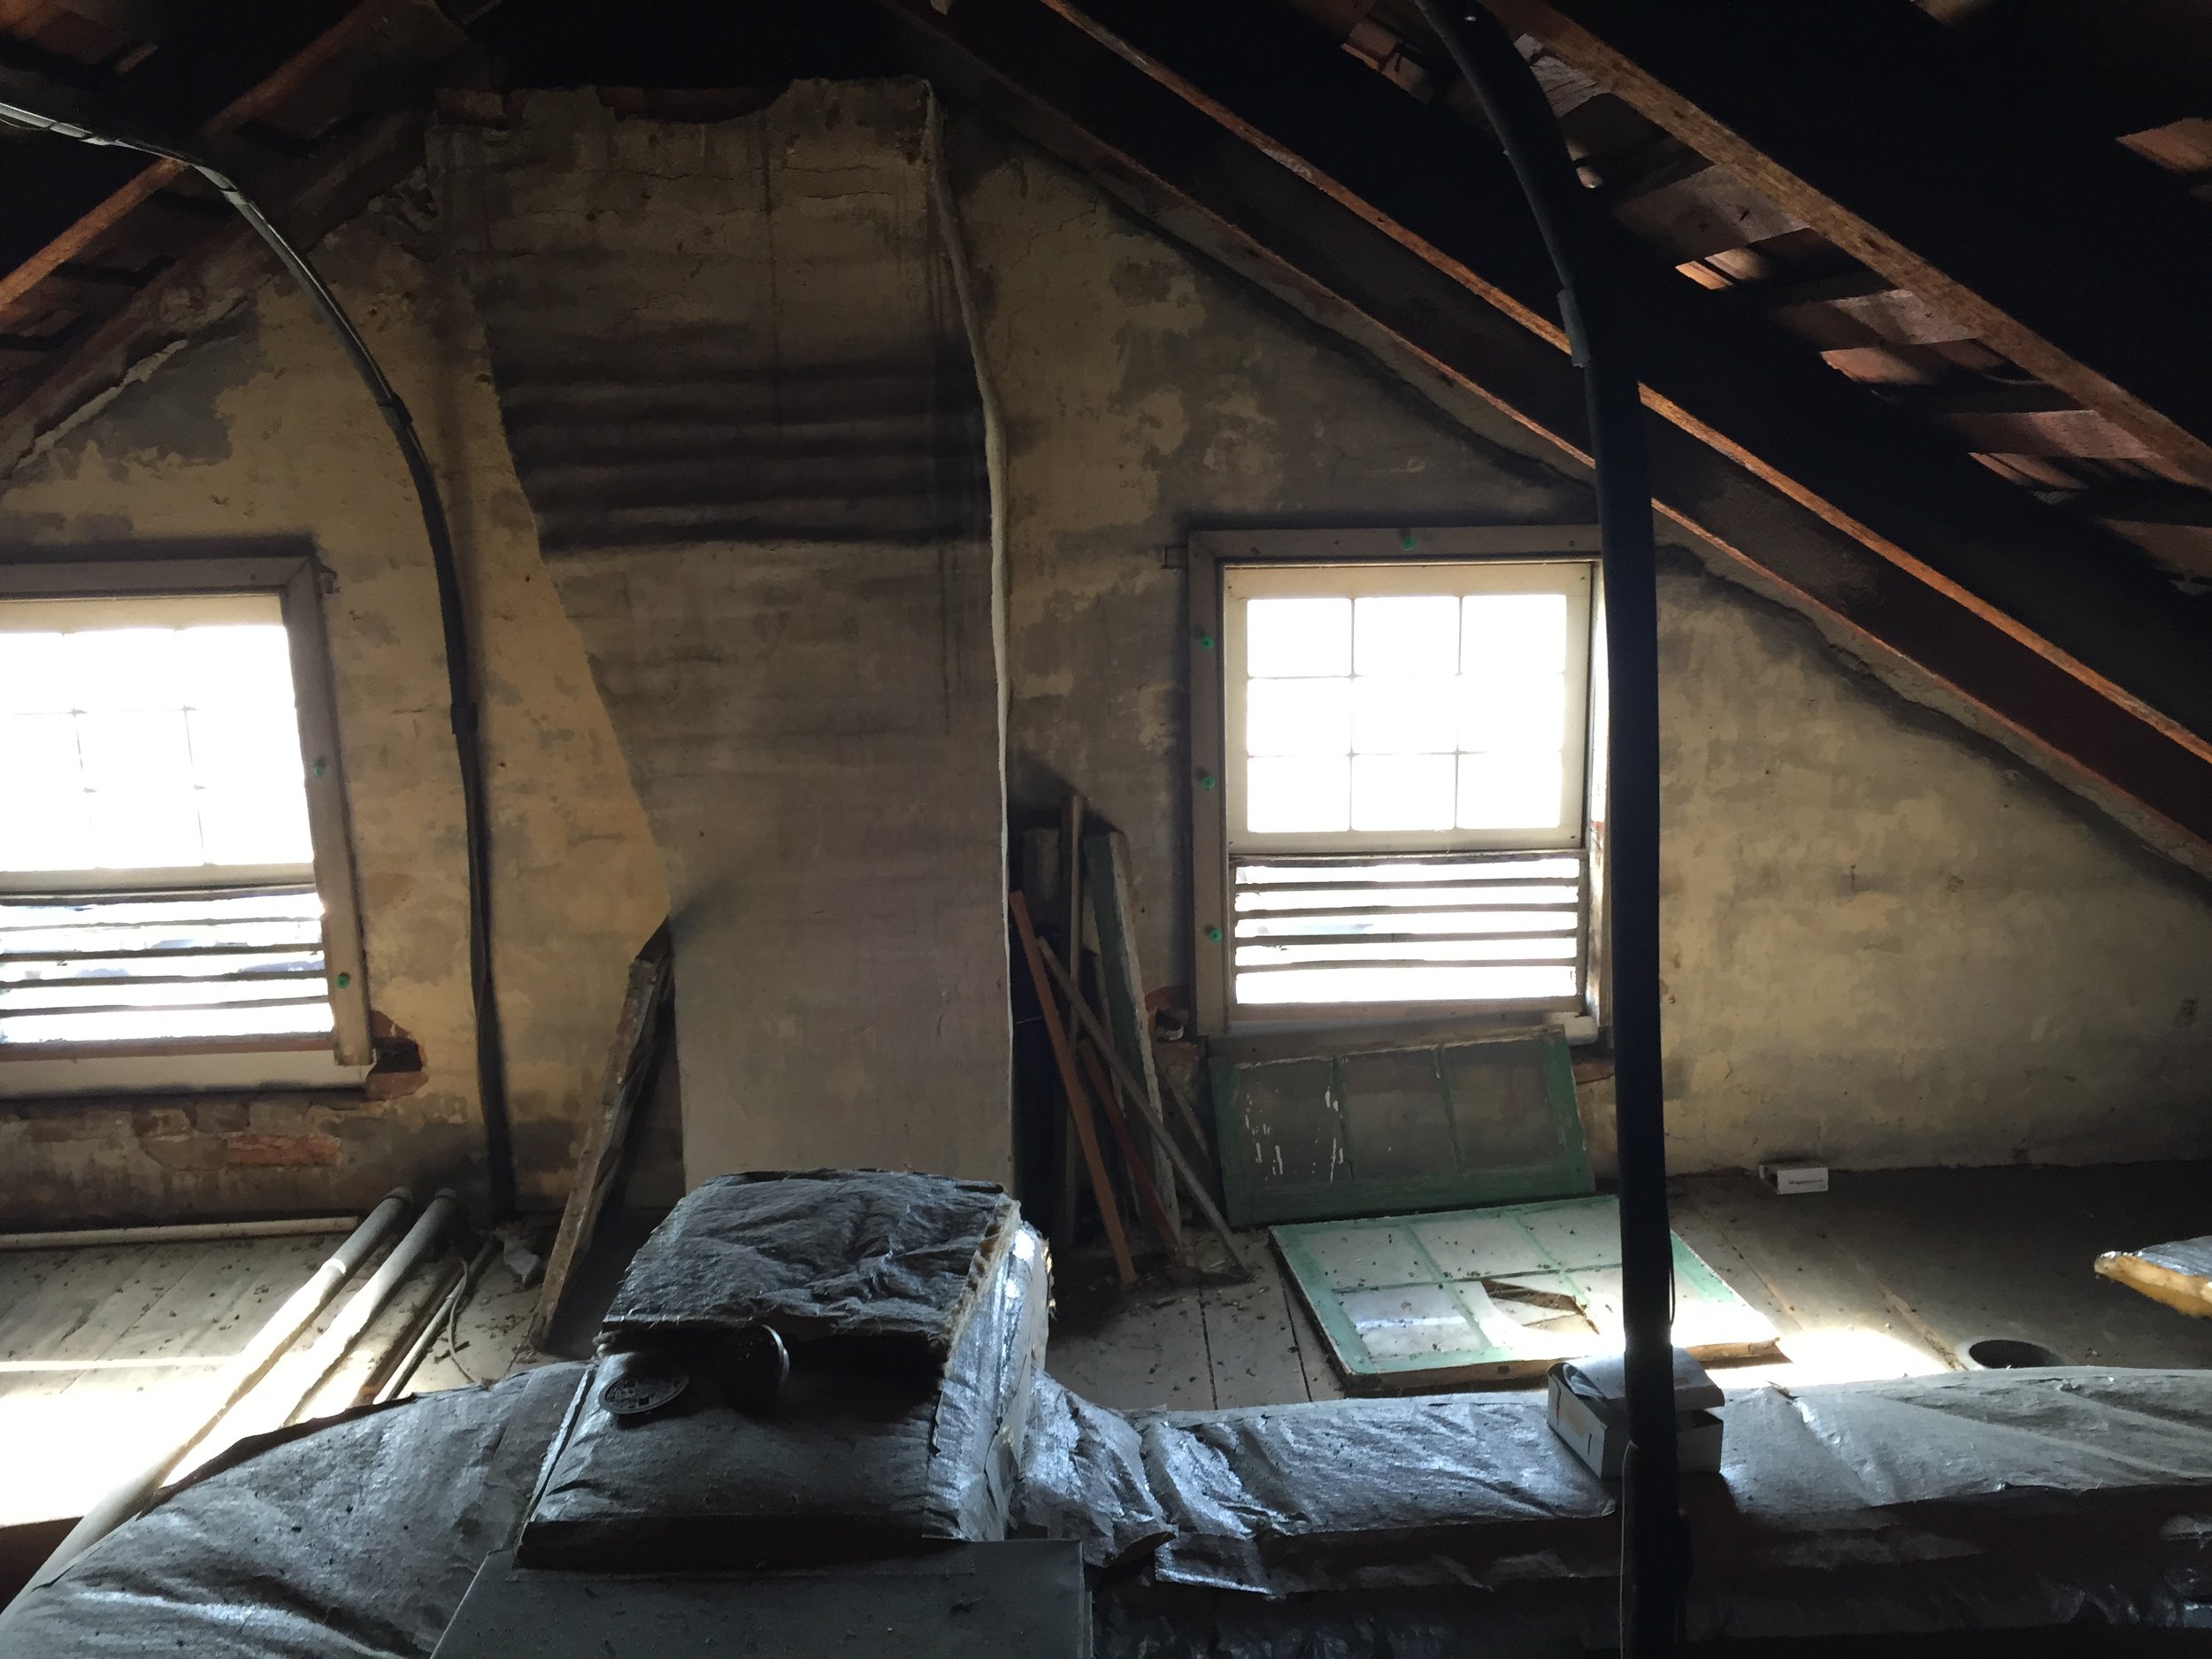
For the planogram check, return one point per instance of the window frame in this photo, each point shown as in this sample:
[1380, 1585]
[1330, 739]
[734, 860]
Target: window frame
[297, 581]
[1210, 553]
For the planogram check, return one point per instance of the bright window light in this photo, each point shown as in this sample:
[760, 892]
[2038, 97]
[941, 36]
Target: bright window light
[157, 868]
[1286, 793]
[1294, 638]
[135, 748]
[1406, 754]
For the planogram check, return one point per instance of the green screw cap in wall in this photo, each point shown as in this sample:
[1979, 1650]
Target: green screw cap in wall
[1205, 641]
[1214, 935]
[1205, 780]
[322, 768]
[344, 980]
[1405, 540]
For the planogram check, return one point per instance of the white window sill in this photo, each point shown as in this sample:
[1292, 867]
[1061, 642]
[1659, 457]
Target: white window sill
[26, 1076]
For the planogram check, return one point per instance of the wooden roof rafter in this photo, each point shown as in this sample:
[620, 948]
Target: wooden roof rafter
[298, 99]
[1237, 130]
[2044, 238]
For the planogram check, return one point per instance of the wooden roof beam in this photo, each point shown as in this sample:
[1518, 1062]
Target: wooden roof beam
[1170, 151]
[1877, 125]
[105, 186]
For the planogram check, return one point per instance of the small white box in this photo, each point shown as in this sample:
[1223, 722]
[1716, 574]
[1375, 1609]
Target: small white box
[1795, 1178]
[1584, 1404]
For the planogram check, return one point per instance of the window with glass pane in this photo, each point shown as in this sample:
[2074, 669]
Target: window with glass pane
[157, 868]
[1402, 741]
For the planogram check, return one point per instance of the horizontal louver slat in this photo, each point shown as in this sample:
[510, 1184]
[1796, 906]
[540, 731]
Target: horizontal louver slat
[222, 965]
[1347, 933]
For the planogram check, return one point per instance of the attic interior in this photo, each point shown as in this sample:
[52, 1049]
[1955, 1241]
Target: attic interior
[886, 825]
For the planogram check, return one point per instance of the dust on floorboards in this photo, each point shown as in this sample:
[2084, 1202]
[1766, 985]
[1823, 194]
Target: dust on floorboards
[108, 1355]
[1889, 1273]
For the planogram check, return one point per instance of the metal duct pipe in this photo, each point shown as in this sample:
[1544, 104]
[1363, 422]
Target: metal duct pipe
[1655, 1556]
[181, 1233]
[365, 1303]
[491, 1069]
[237, 1376]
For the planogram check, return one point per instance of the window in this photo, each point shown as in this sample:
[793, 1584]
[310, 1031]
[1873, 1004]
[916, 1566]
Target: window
[174, 878]
[1393, 810]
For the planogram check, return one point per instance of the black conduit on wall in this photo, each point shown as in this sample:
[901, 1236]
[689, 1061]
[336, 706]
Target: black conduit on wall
[1653, 1554]
[491, 1070]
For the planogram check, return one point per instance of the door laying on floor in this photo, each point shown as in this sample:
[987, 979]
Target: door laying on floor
[1409, 1303]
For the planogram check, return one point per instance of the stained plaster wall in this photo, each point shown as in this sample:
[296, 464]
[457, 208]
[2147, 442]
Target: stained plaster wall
[733, 367]
[259, 429]
[1886, 943]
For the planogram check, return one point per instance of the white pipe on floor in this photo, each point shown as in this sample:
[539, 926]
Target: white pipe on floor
[231, 1384]
[179, 1233]
[371, 1299]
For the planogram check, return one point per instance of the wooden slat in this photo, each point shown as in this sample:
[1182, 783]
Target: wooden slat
[2041, 238]
[630, 1061]
[1265, 970]
[1165, 1224]
[1077, 1102]
[95, 223]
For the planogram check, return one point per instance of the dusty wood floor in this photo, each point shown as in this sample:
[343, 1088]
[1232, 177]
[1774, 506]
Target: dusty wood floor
[1889, 1273]
[106, 1355]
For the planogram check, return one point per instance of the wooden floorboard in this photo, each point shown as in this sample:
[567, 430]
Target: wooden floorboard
[490, 1338]
[1250, 1350]
[1889, 1274]
[2004, 1252]
[48, 1295]
[1150, 1352]
[71, 1433]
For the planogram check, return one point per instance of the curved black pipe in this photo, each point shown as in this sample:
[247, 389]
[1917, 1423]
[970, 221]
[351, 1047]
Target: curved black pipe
[491, 1070]
[1653, 1557]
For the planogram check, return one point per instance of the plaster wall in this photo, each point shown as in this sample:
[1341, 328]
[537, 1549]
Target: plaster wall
[735, 375]
[1886, 942]
[1889, 944]
[259, 429]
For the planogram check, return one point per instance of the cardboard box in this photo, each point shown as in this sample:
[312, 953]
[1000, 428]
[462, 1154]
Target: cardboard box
[1584, 1405]
[1795, 1178]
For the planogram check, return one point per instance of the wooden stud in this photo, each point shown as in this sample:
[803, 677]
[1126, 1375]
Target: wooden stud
[1078, 1105]
[1134, 1091]
[1122, 980]
[1148, 1193]
[629, 1068]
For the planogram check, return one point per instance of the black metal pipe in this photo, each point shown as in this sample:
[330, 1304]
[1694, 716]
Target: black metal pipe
[1653, 1554]
[491, 1069]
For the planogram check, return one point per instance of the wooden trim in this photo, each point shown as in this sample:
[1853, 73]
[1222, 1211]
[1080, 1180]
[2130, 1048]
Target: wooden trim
[1253, 1020]
[132, 1048]
[1210, 830]
[1418, 544]
[329, 814]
